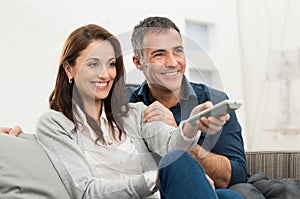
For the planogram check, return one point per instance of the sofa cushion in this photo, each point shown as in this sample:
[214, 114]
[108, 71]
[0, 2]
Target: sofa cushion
[26, 171]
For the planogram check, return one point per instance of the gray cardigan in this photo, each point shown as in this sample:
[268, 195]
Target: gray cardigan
[54, 134]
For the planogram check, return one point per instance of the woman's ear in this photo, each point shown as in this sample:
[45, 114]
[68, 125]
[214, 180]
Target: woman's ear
[68, 70]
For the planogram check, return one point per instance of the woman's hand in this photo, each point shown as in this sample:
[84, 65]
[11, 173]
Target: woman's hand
[15, 131]
[158, 112]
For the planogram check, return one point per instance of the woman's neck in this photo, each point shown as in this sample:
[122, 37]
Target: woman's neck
[93, 109]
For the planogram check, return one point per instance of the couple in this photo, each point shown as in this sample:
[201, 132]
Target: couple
[101, 146]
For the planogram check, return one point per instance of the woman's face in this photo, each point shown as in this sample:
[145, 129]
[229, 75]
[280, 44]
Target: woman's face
[95, 71]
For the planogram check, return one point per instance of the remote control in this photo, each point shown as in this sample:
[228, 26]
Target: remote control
[217, 110]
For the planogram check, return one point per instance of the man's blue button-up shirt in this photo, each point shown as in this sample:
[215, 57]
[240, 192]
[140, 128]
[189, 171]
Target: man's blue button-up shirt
[228, 142]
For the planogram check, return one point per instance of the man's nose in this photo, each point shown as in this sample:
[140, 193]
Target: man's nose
[171, 60]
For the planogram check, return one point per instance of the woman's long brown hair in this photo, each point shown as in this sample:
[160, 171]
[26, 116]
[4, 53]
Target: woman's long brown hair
[65, 94]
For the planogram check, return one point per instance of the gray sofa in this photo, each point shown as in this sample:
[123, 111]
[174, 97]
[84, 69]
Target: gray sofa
[26, 171]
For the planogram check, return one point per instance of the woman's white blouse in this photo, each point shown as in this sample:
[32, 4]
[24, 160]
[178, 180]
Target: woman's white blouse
[112, 160]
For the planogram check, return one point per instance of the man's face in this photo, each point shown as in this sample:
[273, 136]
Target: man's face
[164, 62]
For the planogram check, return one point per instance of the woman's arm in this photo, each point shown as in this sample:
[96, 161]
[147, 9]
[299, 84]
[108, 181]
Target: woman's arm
[161, 138]
[53, 132]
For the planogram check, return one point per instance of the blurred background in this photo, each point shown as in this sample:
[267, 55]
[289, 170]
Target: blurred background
[248, 48]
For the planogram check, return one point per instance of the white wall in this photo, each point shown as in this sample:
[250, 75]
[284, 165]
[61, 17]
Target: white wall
[32, 34]
[269, 28]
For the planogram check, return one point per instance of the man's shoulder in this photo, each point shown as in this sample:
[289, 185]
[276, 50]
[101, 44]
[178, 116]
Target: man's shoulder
[131, 89]
[132, 92]
[217, 95]
[213, 94]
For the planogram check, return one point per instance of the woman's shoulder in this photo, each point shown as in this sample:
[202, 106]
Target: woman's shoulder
[53, 123]
[135, 111]
[54, 117]
[52, 114]
[137, 107]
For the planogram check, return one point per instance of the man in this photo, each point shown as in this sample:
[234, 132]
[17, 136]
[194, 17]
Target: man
[159, 54]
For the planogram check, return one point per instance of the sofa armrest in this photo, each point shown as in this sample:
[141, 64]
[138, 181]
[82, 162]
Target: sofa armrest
[26, 171]
[275, 164]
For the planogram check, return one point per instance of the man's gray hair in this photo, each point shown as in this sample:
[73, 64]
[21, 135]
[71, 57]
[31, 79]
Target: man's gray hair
[149, 25]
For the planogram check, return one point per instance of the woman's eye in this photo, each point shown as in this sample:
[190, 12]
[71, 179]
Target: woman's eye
[112, 64]
[93, 64]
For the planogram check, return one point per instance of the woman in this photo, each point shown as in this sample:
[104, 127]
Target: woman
[97, 141]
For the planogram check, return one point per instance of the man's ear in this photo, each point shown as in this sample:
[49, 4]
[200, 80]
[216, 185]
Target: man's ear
[68, 70]
[137, 62]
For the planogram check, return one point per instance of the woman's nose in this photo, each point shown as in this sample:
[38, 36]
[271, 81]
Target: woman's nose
[103, 72]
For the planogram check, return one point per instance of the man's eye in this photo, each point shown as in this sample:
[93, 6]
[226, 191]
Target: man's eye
[178, 51]
[158, 54]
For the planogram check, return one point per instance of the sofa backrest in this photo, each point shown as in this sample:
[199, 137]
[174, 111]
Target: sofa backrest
[275, 164]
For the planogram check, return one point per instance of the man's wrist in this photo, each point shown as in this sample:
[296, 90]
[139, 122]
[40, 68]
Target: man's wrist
[198, 152]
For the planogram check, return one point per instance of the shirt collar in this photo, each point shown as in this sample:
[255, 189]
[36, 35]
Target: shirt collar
[103, 115]
[143, 93]
[187, 89]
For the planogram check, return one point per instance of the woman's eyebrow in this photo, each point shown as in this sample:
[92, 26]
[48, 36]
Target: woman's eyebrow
[92, 58]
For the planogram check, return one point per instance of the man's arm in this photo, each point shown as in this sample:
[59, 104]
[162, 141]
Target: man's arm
[223, 147]
[216, 166]
[226, 161]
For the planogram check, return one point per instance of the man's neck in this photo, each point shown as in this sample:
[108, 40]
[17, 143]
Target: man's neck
[164, 96]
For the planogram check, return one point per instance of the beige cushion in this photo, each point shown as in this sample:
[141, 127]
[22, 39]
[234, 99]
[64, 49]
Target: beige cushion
[26, 171]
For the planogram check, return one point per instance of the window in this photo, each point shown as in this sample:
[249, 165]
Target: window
[199, 33]
[198, 45]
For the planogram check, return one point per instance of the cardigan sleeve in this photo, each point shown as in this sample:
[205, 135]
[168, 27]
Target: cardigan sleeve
[54, 134]
[162, 138]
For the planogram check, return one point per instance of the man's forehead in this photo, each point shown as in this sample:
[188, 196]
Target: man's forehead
[164, 40]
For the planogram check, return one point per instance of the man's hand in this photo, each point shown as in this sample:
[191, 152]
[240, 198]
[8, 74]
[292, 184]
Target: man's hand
[15, 131]
[210, 125]
[158, 112]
